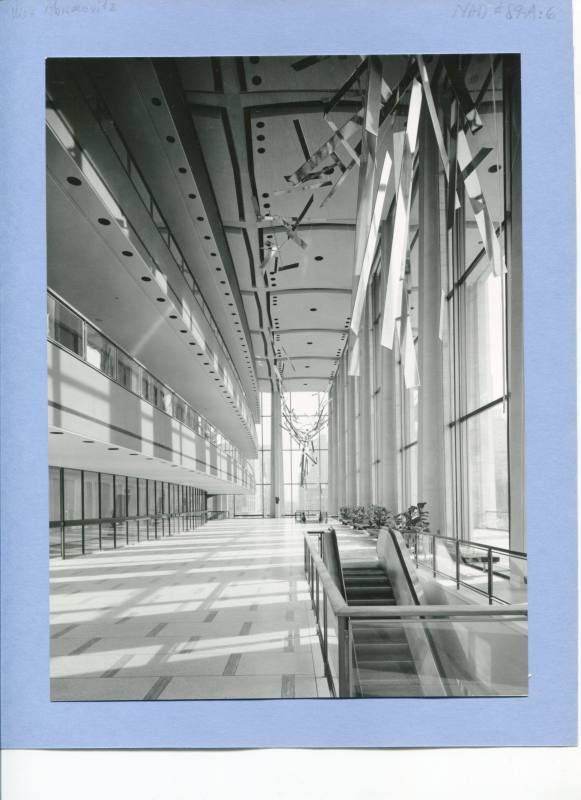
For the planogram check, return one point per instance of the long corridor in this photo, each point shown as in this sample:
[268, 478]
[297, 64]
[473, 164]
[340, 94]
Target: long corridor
[220, 612]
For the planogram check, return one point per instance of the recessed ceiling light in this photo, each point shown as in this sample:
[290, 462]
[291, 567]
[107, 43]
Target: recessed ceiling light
[312, 309]
[74, 181]
[88, 441]
[57, 433]
[155, 101]
[160, 299]
[112, 448]
[145, 278]
[104, 221]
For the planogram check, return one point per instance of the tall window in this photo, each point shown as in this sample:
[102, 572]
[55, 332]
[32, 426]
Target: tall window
[477, 401]
[312, 494]
[259, 503]
[406, 371]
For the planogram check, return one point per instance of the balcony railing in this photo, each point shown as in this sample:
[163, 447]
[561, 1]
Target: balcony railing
[68, 329]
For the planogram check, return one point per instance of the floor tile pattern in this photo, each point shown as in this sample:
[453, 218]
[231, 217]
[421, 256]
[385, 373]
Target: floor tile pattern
[220, 612]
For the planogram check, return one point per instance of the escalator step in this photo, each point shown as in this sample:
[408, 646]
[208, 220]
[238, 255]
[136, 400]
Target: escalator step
[378, 634]
[369, 591]
[376, 670]
[363, 570]
[369, 601]
[367, 585]
[382, 650]
[383, 688]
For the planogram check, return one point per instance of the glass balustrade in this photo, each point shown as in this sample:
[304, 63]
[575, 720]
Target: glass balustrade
[471, 650]
[70, 330]
[497, 573]
[447, 656]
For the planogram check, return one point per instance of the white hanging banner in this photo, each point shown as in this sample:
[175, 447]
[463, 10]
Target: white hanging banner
[398, 147]
[379, 209]
[435, 122]
[411, 374]
[393, 295]
[479, 207]
[354, 370]
[368, 165]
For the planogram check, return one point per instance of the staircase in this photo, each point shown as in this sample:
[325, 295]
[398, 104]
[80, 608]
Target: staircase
[383, 660]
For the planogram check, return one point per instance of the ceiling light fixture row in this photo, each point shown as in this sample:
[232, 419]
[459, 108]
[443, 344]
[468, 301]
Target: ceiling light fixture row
[172, 139]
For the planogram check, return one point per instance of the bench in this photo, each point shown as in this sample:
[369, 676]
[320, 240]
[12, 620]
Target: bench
[310, 516]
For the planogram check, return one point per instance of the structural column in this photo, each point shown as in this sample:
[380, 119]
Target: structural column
[431, 478]
[364, 387]
[332, 452]
[388, 451]
[351, 424]
[514, 304]
[341, 449]
[276, 475]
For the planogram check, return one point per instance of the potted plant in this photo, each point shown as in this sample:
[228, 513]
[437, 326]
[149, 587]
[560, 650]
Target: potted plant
[360, 518]
[379, 517]
[412, 522]
[345, 513]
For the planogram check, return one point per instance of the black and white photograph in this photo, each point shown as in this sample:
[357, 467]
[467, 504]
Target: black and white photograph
[286, 427]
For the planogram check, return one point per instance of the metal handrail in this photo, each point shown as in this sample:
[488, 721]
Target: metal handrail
[504, 550]
[342, 609]
[487, 561]
[318, 576]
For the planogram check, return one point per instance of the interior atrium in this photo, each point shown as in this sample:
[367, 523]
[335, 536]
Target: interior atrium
[285, 377]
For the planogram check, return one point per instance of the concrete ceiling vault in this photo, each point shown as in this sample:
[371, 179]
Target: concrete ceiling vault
[257, 120]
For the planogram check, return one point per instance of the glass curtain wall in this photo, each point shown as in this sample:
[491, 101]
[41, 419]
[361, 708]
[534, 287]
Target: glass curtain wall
[478, 401]
[312, 496]
[92, 511]
[476, 293]
[258, 504]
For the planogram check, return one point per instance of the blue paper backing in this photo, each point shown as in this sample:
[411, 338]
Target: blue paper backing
[549, 714]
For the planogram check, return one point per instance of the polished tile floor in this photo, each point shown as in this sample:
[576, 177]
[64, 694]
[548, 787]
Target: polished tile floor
[220, 612]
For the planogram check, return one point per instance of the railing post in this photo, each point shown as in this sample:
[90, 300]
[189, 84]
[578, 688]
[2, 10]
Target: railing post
[317, 595]
[344, 656]
[417, 546]
[490, 575]
[434, 555]
[457, 563]
[325, 645]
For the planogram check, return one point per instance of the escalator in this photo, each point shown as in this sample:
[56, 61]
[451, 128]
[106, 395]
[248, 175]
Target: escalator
[386, 653]
[383, 658]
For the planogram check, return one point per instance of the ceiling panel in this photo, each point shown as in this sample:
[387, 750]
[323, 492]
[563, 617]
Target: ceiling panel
[267, 74]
